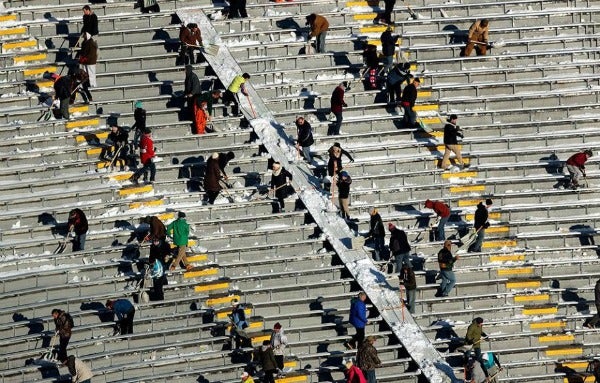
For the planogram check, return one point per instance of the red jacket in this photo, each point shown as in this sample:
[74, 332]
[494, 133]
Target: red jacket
[441, 209]
[146, 148]
[355, 375]
[337, 99]
[577, 159]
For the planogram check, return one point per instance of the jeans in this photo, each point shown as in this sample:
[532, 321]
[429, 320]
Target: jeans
[388, 63]
[476, 246]
[402, 258]
[306, 153]
[448, 281]
[334, 128]
[411, 296]
[379, 246]
[441, 234]
[79, 242]
[370, 376]
[321, 42]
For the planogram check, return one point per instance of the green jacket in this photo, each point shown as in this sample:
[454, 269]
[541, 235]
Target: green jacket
[474, 333]
[179, 230]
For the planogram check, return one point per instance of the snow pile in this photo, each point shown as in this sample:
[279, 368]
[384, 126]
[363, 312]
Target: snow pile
[272, 13]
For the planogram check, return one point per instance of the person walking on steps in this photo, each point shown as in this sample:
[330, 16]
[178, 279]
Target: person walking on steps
[376, 233]
[343, 186]
[90, 22]
[358, 319]
[212, 178]
[337, 107]
[266, 358]
[147, 158]
[335, 164]
[576, 167]
[63, 324]
[191, 89]
[481, 223]
[125, 311]
[367, 359]
[157, 273]
[62, 91]
[477, 38]
[399, 246]
[451, 145]
[305, 137]
[88, 57]
[231, 97]
[386, 17]
[179, 231]
[280, 183]
[442, 212]
[139, 124]
[279, 342]
[407, 101]
[593, 321]
[318, 29]
[409, 281]
[446, 262]
[474, 337]
[388, 47]
[78, 225]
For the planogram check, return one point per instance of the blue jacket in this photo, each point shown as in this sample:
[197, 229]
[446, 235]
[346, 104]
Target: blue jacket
[121, 307]
[358, 313]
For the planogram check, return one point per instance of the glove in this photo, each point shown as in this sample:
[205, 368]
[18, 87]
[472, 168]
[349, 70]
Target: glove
[352, 161]
[486, 225]
[344, 105]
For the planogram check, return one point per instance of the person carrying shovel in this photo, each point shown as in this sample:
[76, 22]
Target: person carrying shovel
[477, 38]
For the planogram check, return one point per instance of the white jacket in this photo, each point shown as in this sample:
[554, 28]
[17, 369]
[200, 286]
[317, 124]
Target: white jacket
[278, 342]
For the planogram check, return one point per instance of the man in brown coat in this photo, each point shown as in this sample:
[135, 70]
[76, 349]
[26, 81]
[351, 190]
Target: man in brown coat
[212, 187]
[367, 359]
[478, 38]
[63, 324]
[88, 56]
[318, 29]
[157, 228]
[190, 38]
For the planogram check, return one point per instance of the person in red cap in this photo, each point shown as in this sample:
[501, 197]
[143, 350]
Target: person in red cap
[278, 342]
[443, 212]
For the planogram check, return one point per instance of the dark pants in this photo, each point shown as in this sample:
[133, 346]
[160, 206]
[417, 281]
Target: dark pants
[84, 91]
[158, 283]
[62, 347]
[370, 376]
[395, 91]
[281, 194]
[186, 55]
[269, 376]
[126, 324]
[64, 107]
[387, 12]
[279, 360]
[211, 196]
[79, 242]
[358, 338]
[334, 128]
[409, 120]
[379, 246]
[148, 166]
[237, 8]
[228, 97]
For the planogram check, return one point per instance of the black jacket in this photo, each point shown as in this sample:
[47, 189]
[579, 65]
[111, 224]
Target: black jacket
[305, 137]
[192, 84]
[376, 226]
[62, 87]
[280, 179]
[120, 137]
[90, 24]
[409, 94]
[445, 259]
[388, 43]
[481, 216]
[399, 242]
[139, 116]
[450, 133]
[79, 221]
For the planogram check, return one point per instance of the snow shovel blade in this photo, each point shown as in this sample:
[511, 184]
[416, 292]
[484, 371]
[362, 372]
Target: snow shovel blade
[61, 248]
[468, 238]
[211, 49]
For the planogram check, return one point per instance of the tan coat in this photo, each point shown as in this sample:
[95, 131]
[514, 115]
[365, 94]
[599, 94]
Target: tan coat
[319, 26]
[478, 33]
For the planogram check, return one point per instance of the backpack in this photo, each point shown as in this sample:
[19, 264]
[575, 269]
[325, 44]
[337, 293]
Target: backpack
[69, 319]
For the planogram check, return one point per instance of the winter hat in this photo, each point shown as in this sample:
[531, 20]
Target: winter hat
[453, 117]
[245, 374]
[588, 152]
[147, 130]
[429, 204]
[277, 326]
[344, 174]
[181, 214]
[138, 104]
[235, 302]
[488, 202]
[478, 320]
[391, 226]
[54, 76]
